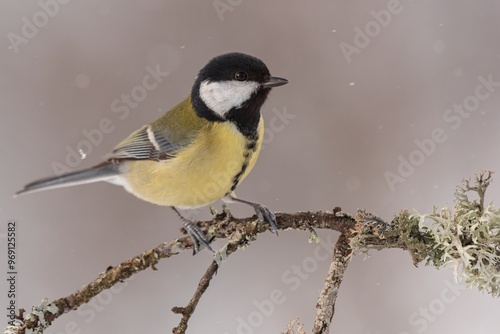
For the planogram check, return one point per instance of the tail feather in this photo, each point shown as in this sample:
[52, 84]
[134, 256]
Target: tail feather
[100, 172]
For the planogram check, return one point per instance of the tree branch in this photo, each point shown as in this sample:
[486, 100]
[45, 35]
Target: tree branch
[43, 315]
[471, 245]
[325, 307]
[188, 310]
[238, 231]
[221, 255]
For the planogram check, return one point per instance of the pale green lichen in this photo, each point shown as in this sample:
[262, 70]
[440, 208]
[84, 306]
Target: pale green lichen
[467, 238]
[14, 327]
[313, 237]
[221, 255]
[213, 211]
[295, 327]
[37, 316]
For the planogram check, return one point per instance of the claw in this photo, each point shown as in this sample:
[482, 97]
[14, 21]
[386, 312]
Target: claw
[195, 233]
[266, 216]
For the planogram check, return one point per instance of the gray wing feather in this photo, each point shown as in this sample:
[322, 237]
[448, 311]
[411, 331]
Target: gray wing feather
[139, 146]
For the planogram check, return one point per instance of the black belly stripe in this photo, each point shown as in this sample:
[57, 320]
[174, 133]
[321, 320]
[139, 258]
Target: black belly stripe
[251, 147]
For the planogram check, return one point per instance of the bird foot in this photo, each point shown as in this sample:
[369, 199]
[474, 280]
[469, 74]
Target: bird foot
[266, 216]
[196, 235]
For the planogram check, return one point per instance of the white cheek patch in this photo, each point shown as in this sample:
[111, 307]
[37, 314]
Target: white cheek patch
[223, 96]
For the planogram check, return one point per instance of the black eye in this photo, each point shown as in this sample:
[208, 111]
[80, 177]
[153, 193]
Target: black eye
[240, 76]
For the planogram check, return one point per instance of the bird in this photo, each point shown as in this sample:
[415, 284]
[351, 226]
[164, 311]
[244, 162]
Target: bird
[198, 151]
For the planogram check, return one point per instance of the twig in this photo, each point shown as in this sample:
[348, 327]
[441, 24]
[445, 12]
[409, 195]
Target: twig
[240, 237]
[188, 310]
[239, 231]
[42, 317]
[325, 307]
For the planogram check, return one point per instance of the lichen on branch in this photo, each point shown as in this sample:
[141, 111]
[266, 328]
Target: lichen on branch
[467, 238]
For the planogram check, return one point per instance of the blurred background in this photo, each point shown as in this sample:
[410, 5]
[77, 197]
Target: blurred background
[390, 104]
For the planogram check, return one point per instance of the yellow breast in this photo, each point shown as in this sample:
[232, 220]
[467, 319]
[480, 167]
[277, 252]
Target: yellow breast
[203, 172]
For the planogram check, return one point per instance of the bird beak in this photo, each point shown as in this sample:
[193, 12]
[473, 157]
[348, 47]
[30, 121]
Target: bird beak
[274, 82]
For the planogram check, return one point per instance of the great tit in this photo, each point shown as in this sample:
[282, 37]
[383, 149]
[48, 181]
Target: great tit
[197, 152]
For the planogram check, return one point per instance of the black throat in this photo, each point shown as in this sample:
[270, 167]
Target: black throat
[246, 118]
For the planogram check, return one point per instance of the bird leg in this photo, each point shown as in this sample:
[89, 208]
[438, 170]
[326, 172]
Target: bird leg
[264, 215]
[194, 232]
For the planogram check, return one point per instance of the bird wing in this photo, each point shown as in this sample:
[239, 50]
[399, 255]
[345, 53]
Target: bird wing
[146, 144]
[163, 138]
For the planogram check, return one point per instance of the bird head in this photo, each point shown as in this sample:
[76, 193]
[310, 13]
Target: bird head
[233, 87]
